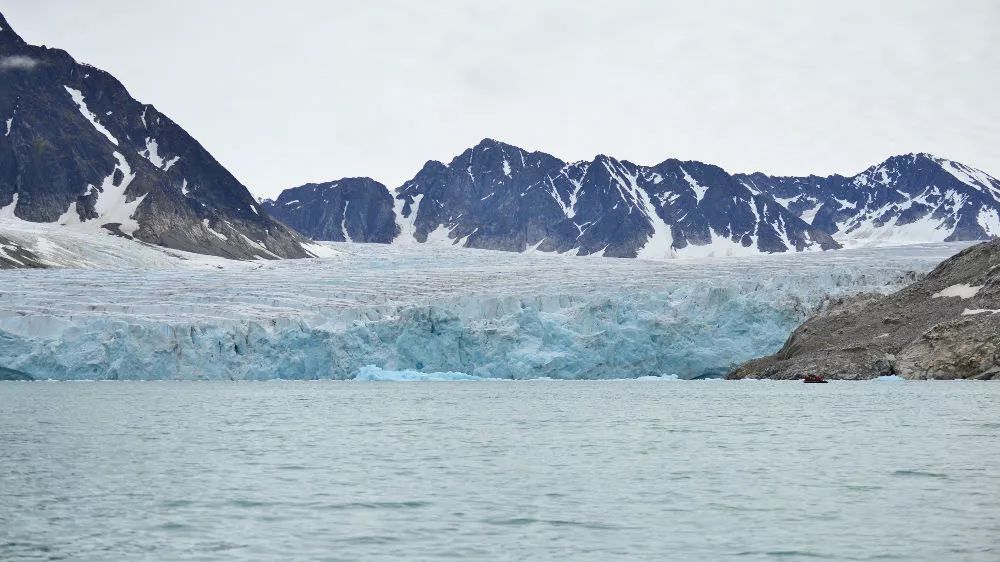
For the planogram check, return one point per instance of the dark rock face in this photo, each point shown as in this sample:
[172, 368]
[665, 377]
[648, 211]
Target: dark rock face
[481, 199]
[909, 198]
[77, 149]
[945, 326]
[500, 197]
[346, 210]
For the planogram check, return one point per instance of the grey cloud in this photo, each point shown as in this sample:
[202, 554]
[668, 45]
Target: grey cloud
[17, 62]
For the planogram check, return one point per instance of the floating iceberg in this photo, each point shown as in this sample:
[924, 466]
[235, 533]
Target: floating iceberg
[428, 310]
[373, 373]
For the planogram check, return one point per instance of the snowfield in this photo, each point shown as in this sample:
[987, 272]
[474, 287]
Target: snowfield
[78, 246]
[161, 314]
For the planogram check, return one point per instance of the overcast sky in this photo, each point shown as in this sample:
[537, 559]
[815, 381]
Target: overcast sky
[288, 92]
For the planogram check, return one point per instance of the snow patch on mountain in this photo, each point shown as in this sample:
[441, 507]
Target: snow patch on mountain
[698, 189]
[77, 96]
[989, 219]
[660, 244]
[976, 179]
[343, 223]
[962, 291]
[112, 205]
[152, 154]
[406, 218]
[216, 233]
[8, 211]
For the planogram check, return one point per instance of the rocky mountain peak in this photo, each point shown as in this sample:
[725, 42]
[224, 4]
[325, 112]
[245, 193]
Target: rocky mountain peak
[78, 151]
[8, 37]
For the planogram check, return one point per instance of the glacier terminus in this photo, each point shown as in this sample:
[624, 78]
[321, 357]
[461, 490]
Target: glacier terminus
[430, 309]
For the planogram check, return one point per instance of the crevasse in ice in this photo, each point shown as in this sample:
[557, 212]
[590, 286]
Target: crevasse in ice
[430, 310]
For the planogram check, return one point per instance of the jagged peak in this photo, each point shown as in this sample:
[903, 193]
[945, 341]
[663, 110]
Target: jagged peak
[909, 158]
[946, 163]
[690, 166]
[606, 159]
[355, 180]
[336, 184]
[7, 34]
[489, 143]
[432, 166]
[488, 154]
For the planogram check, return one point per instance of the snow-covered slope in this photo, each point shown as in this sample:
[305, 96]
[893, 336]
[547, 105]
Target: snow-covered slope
[424, 308]
[913, 198]
[43, 245]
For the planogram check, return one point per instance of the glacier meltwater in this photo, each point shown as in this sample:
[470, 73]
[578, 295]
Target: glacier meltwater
[428, 310]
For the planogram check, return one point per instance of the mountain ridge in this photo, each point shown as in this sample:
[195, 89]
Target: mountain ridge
[498, 196]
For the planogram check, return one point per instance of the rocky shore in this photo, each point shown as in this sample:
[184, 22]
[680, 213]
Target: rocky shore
[945, 326]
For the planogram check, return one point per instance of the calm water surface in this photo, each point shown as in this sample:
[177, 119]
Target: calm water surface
[543, 470]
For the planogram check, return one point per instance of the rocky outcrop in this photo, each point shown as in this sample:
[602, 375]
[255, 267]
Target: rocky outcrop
[77, 150]
[945, 326]
[347, 210]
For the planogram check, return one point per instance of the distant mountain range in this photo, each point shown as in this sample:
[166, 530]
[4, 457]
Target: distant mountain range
[77, 150]
[497, 196]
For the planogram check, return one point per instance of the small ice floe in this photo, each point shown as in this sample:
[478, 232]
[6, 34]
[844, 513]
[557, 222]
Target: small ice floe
[889, 378]
[961, 291]
[373, 373]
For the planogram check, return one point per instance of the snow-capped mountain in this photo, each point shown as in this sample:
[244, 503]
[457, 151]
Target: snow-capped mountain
[500, 197]
[77, 150]
[906, 199]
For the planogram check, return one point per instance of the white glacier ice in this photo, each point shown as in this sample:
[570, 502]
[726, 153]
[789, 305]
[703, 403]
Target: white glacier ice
[373, 373]
[421, 309]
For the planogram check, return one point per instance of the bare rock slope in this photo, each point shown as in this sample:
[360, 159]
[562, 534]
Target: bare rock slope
[945, 326]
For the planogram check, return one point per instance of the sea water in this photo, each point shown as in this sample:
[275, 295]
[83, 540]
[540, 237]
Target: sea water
[494, 470]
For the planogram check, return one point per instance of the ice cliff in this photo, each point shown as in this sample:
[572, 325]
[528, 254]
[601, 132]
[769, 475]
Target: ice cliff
[427, 309]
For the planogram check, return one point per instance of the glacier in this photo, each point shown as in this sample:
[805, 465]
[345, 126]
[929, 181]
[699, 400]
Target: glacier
[481, 313]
